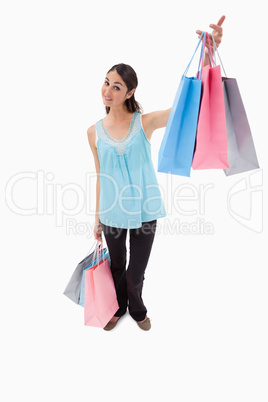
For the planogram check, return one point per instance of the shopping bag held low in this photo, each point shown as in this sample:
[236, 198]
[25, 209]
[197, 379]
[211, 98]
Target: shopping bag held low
[72, 290]
[100, 296]
[81, 301]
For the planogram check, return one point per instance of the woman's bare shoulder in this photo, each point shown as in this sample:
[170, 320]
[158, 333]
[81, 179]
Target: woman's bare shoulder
[92, 136]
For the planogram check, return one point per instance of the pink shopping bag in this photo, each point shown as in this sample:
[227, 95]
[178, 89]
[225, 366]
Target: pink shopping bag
[211, 150]
[100, 296]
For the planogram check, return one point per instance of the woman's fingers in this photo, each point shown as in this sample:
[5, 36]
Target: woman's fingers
[216, 29]
[221, 20]
[217, 32]
[217, 40]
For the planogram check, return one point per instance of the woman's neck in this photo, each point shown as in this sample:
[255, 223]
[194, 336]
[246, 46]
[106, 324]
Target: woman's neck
[118, 114]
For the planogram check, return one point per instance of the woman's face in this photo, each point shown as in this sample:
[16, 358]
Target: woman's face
[114, 90]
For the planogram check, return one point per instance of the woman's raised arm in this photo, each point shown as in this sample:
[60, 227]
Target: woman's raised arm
[154, 120]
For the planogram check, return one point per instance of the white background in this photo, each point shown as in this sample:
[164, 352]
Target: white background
[206, 294]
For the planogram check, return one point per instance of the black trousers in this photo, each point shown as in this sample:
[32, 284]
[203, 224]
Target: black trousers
[129, 281]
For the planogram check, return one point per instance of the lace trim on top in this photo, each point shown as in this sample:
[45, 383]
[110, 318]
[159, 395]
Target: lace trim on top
[120, 144]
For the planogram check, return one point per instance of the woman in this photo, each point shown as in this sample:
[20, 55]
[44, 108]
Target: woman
[127, 192]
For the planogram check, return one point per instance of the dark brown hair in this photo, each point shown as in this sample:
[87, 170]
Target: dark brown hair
[130, 78]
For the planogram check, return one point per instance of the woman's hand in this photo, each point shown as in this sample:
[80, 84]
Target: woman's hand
[217, 33]
[97, 230]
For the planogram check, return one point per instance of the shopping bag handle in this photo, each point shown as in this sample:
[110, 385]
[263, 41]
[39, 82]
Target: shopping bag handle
[99, 246]
[93, 245]
[216, 50]
[201, 55]
[212, 61]
[210, 53]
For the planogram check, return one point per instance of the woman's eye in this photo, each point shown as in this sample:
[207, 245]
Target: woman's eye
[115, 87]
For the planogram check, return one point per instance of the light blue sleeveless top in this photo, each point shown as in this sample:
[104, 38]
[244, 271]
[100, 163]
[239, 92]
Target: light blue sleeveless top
[129, 191]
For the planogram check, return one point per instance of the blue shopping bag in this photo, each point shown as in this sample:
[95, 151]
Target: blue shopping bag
[103, 256]
[176, 150]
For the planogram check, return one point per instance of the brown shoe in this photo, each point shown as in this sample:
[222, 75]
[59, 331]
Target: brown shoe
[110, 325]
[145, 325]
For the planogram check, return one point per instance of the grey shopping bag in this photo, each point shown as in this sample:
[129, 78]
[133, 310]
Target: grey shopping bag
[73, 287]
[242, 155]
